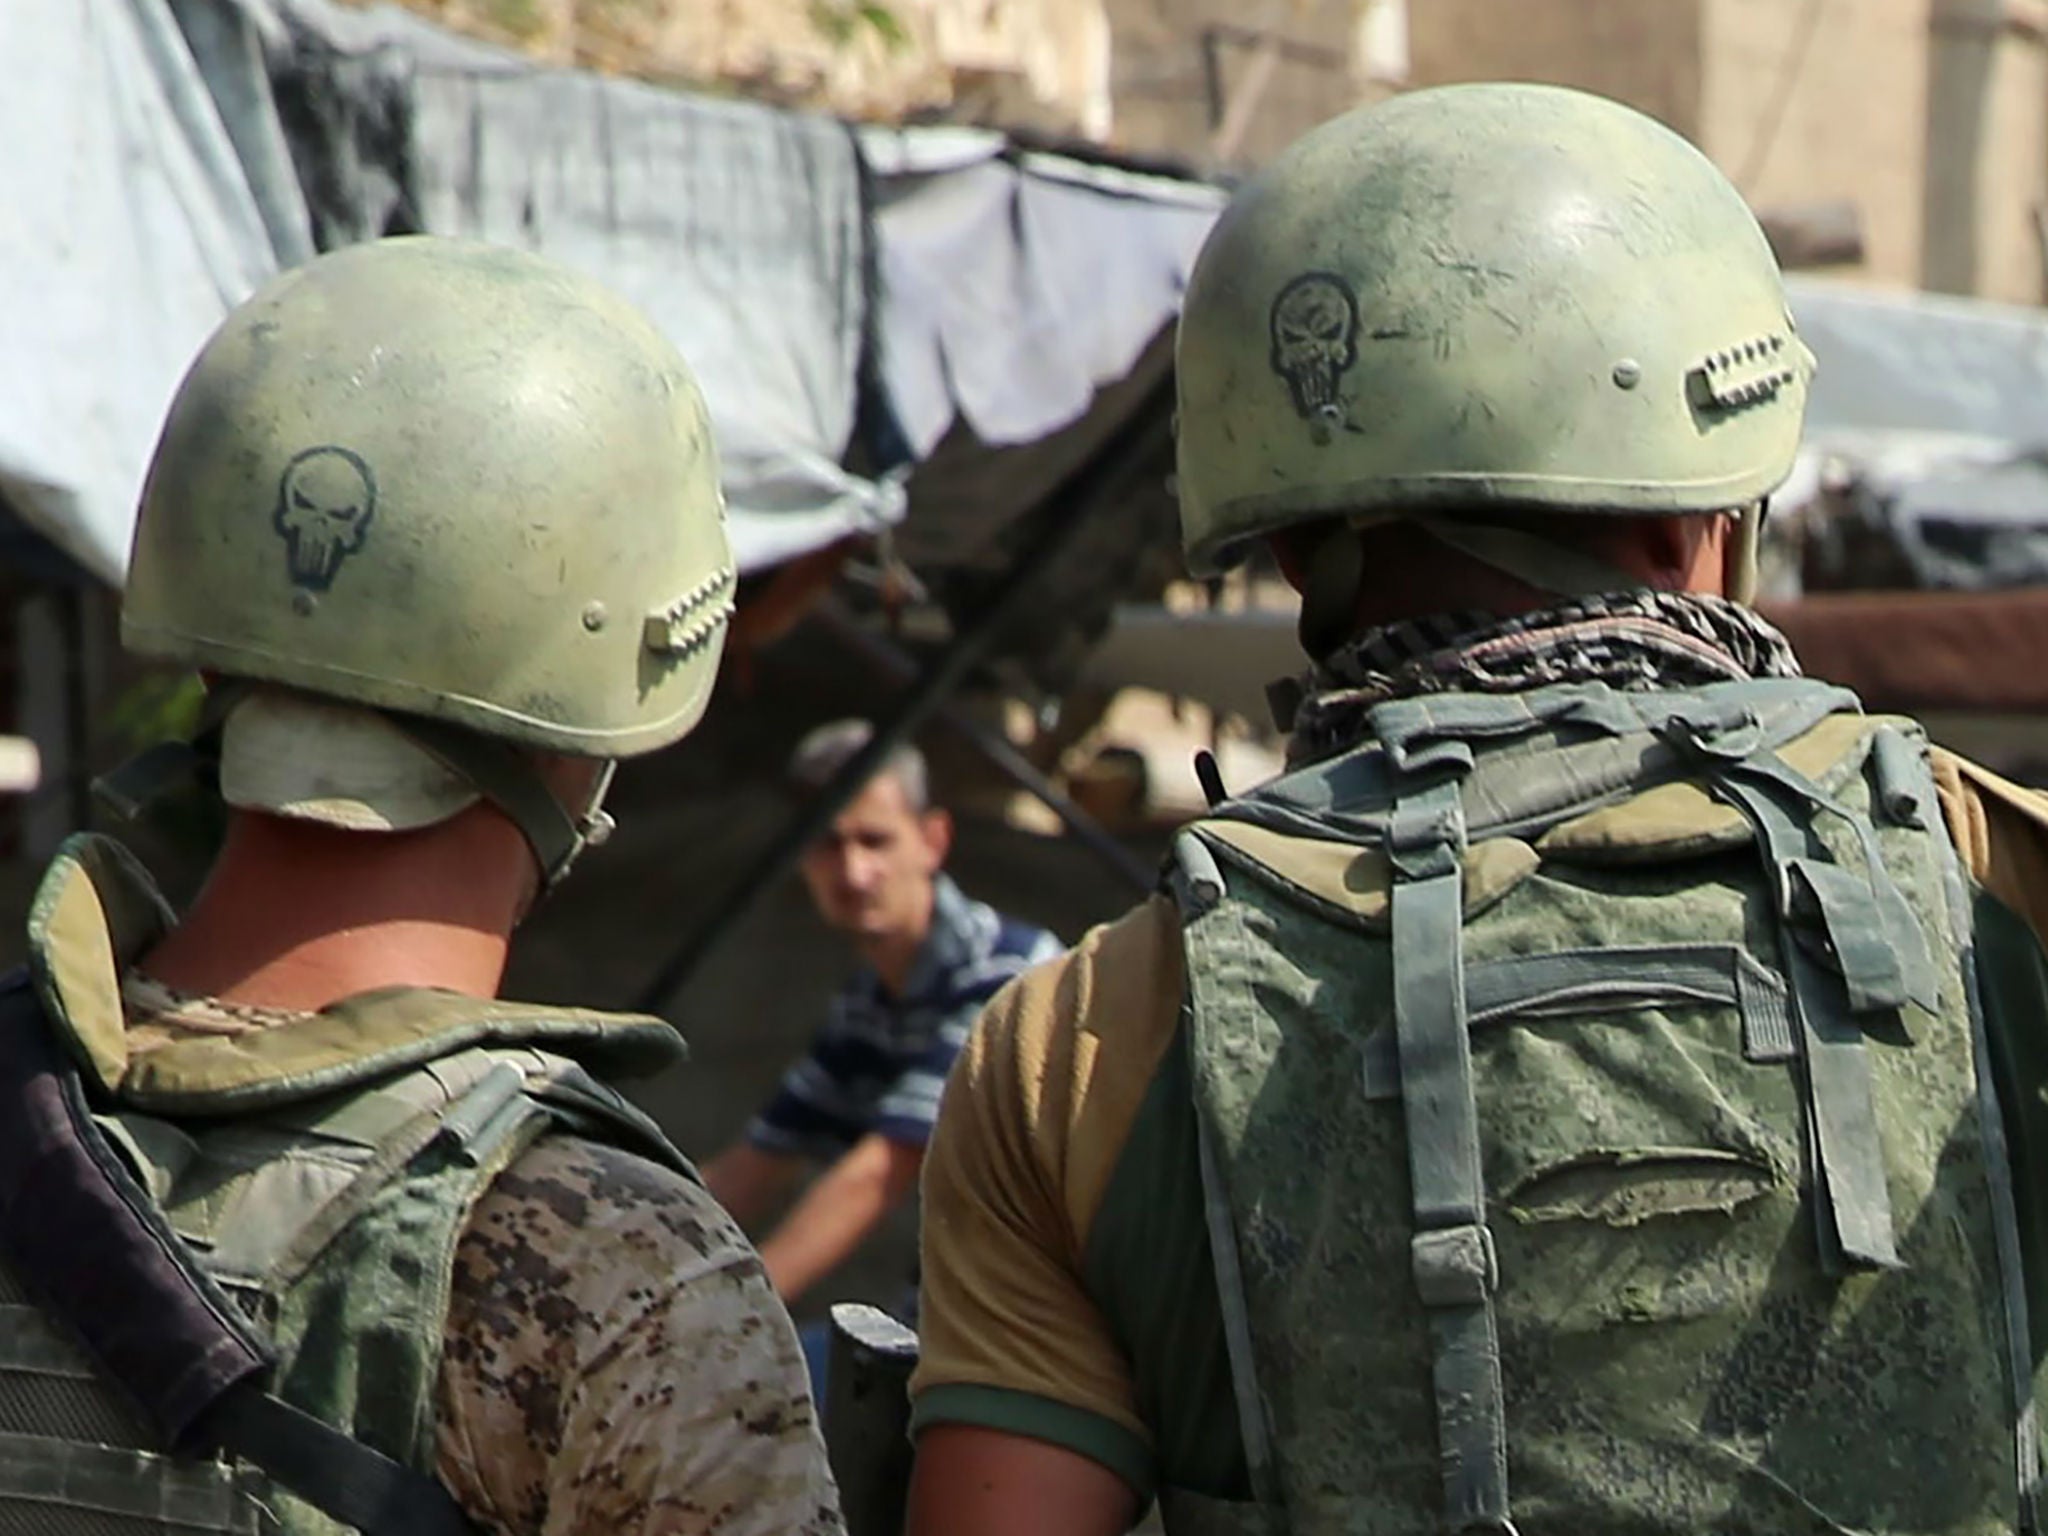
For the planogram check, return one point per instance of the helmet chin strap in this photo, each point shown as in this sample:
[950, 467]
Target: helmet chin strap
[1329, 590]
[511, 780]
[1740, 576]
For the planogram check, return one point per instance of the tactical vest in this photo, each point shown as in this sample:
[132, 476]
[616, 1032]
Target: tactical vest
[321, 1171]
[1594, 1131]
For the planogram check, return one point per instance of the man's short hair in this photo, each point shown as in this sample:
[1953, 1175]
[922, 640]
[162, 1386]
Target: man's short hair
[824, 751]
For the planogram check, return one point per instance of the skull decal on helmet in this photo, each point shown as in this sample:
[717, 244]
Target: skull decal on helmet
[1315, 339]
[324, 505]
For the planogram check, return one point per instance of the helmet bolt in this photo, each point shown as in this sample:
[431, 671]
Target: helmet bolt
[1628, 373]
[593, 617]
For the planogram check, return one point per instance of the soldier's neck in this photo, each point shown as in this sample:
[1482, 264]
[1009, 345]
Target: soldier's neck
[298, 916]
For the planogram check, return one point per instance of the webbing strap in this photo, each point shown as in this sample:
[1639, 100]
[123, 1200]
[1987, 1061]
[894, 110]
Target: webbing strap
[2005, 1232]
[159, 1492]
[1572, 984]
[1543, 563]
[1904, 788]
[31, 1344]
[131, 788]
[2012, 1276]
[108, 1265]
[337, 1474]
[510, 781]
[1452, 1250]
[1852, 1204]
[1253, 1430]
[1197, 886]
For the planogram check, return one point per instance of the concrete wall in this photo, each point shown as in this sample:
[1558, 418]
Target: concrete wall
[1161, 87]
[1643, 52]
[1808, 101]
[1930, 116]
[1986, 135]
[1032, 63]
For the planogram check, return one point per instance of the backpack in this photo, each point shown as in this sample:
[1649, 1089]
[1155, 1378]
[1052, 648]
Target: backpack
[1596, 1131]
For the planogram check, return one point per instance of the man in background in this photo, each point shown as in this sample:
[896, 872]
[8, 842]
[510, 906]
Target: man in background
[862, 1100]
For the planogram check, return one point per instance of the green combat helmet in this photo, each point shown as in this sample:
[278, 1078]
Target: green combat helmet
[1480, 300]
[436, 498]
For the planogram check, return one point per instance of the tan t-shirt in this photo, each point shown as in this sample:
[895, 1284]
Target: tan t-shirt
[615, 1362]
[1035, 1123]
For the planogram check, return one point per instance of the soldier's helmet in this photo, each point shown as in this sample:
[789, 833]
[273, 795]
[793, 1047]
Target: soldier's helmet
[1475, 301]
[432, 506]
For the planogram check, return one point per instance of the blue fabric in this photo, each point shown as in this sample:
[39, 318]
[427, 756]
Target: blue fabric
[880, 1062]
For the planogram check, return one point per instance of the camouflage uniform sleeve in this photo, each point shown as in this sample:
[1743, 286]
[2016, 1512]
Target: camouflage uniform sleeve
[616, 1362]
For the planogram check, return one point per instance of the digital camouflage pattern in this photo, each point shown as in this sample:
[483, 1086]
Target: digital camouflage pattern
[1679, 1349]
[615, 1360]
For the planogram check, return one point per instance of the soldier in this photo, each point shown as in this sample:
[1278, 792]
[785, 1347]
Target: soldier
[1564, 1101]
[441, 524]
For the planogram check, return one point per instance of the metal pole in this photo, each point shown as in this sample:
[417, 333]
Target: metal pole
[1081, 494]
[1212, 76]
[991, 744]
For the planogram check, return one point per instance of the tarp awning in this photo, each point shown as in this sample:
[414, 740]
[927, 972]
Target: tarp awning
[207, 143]
[127, 231]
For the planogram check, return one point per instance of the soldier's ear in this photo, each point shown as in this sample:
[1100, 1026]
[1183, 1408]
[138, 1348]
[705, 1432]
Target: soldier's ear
[937, 825]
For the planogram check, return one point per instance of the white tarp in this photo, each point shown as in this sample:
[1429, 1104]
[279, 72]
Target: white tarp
[130, 227]
[737, 227]
[162, 187]
[1015, 286]
[127, 231]
[1932, 411]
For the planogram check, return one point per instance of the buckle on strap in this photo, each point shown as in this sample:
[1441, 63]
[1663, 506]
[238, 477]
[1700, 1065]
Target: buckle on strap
[1454, 1266]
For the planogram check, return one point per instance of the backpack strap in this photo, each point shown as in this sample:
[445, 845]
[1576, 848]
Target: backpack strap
[1573, 983]
[1880, 958]
[84, 1234]
[1452, 1252]
[1907, 787]
[337, 1474]
[1196, 884]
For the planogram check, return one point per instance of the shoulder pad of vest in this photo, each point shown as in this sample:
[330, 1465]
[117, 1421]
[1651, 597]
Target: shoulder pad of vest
[369, 1036]
[97, 910]
[1681, 819]
[94, 912]
[1353, 881]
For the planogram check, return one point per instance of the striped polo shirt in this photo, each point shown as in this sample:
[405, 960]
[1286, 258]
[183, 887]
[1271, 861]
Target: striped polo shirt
[880, 1062]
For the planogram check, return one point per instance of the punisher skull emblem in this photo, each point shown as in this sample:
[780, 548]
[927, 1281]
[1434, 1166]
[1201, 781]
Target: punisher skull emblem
[1315, 339]
[324, 505]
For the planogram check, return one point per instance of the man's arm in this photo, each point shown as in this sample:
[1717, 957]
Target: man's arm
[879, 1171]
[837, 1212]
[615, 1363]
[1024, 1405]
[748, 1180]
[967, 1479]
